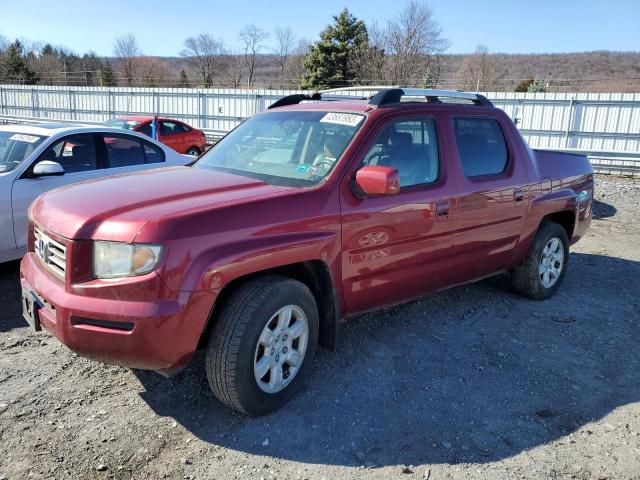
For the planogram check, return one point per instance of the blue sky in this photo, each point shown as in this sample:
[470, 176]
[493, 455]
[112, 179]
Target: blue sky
[520, 26]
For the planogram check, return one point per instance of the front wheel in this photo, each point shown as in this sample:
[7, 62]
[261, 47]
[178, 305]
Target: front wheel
[542, 272]
[262, 343]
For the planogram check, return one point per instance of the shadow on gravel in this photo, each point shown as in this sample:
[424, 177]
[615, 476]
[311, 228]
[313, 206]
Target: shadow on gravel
[603, 210]
[475, 374]
[11, 316]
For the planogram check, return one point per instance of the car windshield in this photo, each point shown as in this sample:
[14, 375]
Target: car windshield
[15, 147]
[121, 123]
[292, 148]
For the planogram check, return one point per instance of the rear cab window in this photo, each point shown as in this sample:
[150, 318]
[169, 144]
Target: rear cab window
[481, 145]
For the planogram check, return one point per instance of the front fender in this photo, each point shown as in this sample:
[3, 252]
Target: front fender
[215, 267]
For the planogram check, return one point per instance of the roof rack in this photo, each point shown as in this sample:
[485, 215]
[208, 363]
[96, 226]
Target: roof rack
[384, 95]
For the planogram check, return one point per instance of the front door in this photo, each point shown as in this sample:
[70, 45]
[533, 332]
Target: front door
[398, 247]
[76, 154]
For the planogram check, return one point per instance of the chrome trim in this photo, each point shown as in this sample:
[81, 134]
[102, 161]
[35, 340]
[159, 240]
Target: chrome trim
[51, 253]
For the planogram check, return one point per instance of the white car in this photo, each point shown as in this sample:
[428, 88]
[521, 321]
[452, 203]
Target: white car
[37, 158]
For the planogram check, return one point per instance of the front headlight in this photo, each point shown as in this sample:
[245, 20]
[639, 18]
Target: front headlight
[117, 259]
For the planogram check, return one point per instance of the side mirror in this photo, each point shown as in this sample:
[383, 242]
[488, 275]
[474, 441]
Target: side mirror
[47, 168]
[378, 180]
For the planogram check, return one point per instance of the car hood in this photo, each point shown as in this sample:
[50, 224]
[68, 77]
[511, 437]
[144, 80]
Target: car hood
[116, 208]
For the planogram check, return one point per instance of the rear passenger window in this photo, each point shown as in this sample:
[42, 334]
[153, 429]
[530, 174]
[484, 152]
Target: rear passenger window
[481, 146]
[409, 146]
[153, 154]
[170, 128]
[123, 152]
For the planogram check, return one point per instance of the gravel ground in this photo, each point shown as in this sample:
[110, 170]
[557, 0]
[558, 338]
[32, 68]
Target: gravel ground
[471, 383]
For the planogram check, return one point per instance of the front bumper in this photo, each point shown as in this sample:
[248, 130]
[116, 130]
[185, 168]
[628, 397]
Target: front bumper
[154, 335]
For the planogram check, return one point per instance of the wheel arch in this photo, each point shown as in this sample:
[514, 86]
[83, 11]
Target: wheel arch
[565, 218]
[315, 274]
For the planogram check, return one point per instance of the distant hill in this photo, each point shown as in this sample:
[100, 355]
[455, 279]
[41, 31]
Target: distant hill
[577, 72]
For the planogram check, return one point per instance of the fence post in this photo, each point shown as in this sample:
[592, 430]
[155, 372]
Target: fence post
[567, 133]
[3, 106]
[199, 111]
[72, 105]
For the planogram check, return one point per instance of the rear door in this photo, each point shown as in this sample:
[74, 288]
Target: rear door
[493, 196]
[78, 156]
[398, 247]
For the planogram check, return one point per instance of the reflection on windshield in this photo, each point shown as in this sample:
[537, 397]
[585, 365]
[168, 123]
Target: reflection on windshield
[124, 124]
[15, 147]
[293, 148]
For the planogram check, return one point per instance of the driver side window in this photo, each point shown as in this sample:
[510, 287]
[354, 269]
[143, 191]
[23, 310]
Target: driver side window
[411, 147]
[76, 153]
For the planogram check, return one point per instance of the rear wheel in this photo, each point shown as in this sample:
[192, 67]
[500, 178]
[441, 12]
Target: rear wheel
[262, 343]
[543, 270]
[193, 151]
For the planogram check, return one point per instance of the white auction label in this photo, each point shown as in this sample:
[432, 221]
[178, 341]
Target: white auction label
[348, 119]
[21, 137]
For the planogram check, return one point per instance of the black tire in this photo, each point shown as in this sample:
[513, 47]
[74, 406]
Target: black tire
[526, 279]
[194, 151]
[231, 350]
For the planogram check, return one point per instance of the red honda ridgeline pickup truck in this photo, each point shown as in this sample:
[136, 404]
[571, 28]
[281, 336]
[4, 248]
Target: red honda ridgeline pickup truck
[300, 217]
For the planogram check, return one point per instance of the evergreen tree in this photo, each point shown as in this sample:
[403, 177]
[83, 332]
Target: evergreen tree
[14, 67]
[331, 61]
[107, 76]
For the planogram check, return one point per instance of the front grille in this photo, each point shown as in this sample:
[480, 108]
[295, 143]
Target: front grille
[53, 254]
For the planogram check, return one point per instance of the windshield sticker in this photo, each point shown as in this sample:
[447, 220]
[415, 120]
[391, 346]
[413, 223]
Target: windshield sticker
[21, 137]
[301, 169]
[342, 119]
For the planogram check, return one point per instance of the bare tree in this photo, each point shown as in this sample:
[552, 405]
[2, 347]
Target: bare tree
[251, 39]
[126, 50]
[295, 66]
[477, 70]
[204, 52]
[285, 41]
[4, 44]
[152, 72]
[413, 44]
[233, 69]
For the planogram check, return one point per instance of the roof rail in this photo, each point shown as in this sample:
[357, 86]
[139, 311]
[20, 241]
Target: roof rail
[388, 95]
[384, 95]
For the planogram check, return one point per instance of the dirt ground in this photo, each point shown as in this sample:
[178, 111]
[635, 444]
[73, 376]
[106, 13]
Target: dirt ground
[471, 383]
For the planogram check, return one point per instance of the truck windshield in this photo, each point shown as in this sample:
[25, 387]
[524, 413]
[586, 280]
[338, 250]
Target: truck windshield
[15, 147]
[292, 148]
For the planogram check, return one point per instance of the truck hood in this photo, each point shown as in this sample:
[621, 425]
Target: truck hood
[116, 208]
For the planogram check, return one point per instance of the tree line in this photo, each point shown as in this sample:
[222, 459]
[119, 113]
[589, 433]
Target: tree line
[408, 49]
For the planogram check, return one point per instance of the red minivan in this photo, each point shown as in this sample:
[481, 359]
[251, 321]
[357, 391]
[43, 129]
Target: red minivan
[173, 133]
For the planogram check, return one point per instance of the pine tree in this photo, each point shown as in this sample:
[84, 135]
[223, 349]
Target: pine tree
[107, 75]
[331, 61]
[15, 68]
